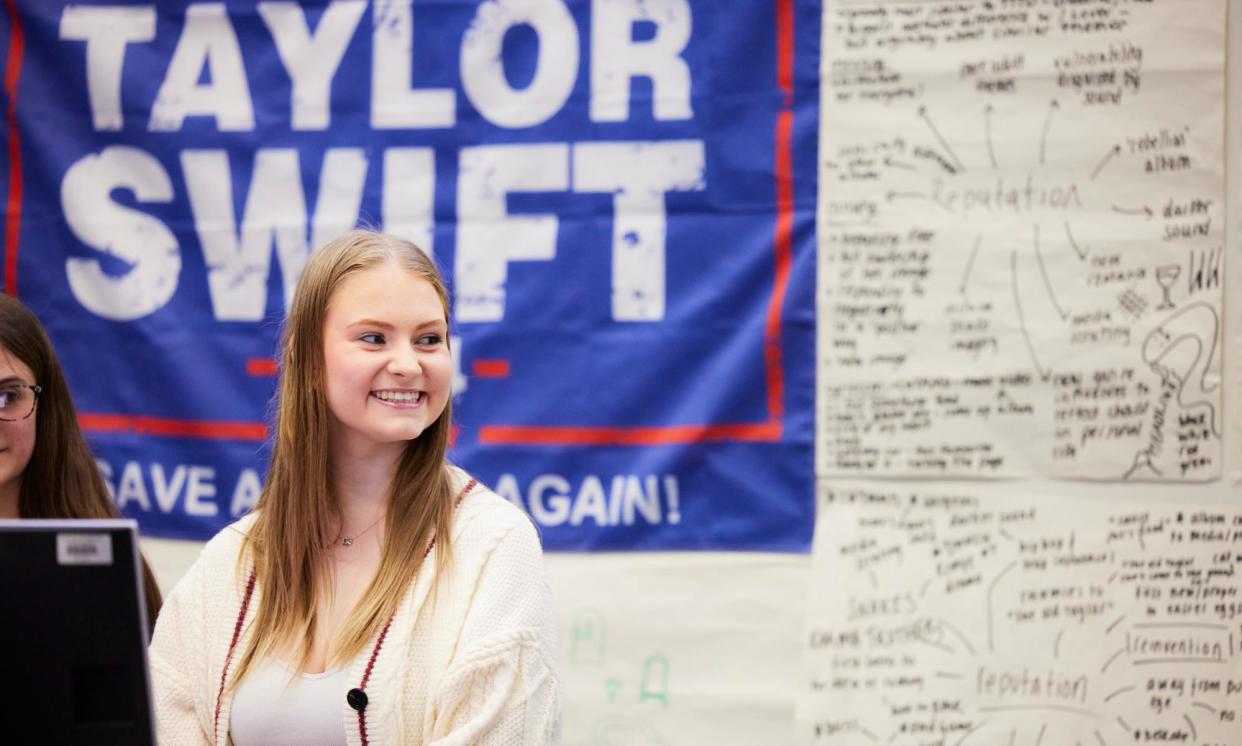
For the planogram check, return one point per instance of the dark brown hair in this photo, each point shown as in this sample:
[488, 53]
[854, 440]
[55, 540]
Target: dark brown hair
[61, 480]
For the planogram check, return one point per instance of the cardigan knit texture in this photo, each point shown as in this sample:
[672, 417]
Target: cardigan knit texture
[476, 669]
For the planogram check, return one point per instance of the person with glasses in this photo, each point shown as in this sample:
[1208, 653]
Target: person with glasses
[46, 467]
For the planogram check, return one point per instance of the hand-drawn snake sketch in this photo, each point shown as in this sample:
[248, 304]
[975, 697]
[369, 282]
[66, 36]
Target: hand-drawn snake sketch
[1183, 347]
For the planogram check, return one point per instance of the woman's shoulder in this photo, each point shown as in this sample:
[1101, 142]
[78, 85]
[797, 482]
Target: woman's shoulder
[225, 546]
[212, 577]
[482, 514]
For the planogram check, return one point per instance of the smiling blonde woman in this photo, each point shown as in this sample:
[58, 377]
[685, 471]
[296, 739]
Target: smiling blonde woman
[377, 594]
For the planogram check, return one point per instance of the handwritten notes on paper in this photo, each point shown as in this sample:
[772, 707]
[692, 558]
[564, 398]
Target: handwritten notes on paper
[1020, 229]
[947, 620]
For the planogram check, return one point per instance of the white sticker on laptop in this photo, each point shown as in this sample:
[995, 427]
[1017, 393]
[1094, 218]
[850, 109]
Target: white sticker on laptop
[83, 549]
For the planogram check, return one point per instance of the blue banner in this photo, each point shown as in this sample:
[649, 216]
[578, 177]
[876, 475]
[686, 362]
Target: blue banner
[621, 194]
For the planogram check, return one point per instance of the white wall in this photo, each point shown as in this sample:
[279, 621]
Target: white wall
[729, 625]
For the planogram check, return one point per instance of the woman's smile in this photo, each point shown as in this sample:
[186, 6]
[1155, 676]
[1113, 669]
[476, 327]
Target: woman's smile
[399, 398]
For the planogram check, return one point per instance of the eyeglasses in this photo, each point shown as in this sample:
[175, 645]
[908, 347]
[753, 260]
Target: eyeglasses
[17, 401]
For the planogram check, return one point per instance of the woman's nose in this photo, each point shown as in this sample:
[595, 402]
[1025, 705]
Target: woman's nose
[404, 361]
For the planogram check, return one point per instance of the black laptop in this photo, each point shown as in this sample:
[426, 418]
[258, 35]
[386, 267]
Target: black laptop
[73, 634]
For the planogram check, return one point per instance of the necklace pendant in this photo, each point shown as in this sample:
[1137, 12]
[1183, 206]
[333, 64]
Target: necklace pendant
[348, 541]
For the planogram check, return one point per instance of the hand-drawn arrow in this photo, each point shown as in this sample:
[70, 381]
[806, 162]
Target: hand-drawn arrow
[943, 143]
[1112, 153]
[987, 119]
[1039, 256]
[1043, 138]
[970, 263]
[888, 161]
[992, 589]
[1144, 210]
[1082, 253]
[1017, 301]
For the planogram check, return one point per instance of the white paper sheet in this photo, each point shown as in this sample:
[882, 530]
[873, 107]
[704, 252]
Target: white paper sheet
[1020, 227]
[686, 648]
[937, 617]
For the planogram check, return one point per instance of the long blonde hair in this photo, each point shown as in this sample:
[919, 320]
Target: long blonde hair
[293, 529]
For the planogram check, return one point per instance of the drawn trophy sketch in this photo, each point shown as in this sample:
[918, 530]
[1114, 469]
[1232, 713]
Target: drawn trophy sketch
[1021, 239]
[939, 619]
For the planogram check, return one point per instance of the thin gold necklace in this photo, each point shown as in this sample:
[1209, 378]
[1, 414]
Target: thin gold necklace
[348, 541]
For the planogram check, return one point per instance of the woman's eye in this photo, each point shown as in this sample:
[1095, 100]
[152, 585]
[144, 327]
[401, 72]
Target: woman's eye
[429, 340]
[372, 338]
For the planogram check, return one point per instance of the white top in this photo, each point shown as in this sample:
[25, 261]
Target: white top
[272, 707]
[476, 668]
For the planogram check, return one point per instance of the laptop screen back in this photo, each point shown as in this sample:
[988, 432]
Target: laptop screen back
[73, 630]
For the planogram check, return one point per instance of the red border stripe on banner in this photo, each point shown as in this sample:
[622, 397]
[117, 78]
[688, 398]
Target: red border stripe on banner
[783, 235]
[628, 436]
[785, 48]
[13, 209]
[491, 368]
[262, 367]
[783, 241]
[201, 429]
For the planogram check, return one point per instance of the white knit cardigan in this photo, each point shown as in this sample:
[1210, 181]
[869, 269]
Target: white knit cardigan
[476, 669]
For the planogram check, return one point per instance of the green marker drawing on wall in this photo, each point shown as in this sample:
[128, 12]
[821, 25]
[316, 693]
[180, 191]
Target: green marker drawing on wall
[588, 639]
[655, 679]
